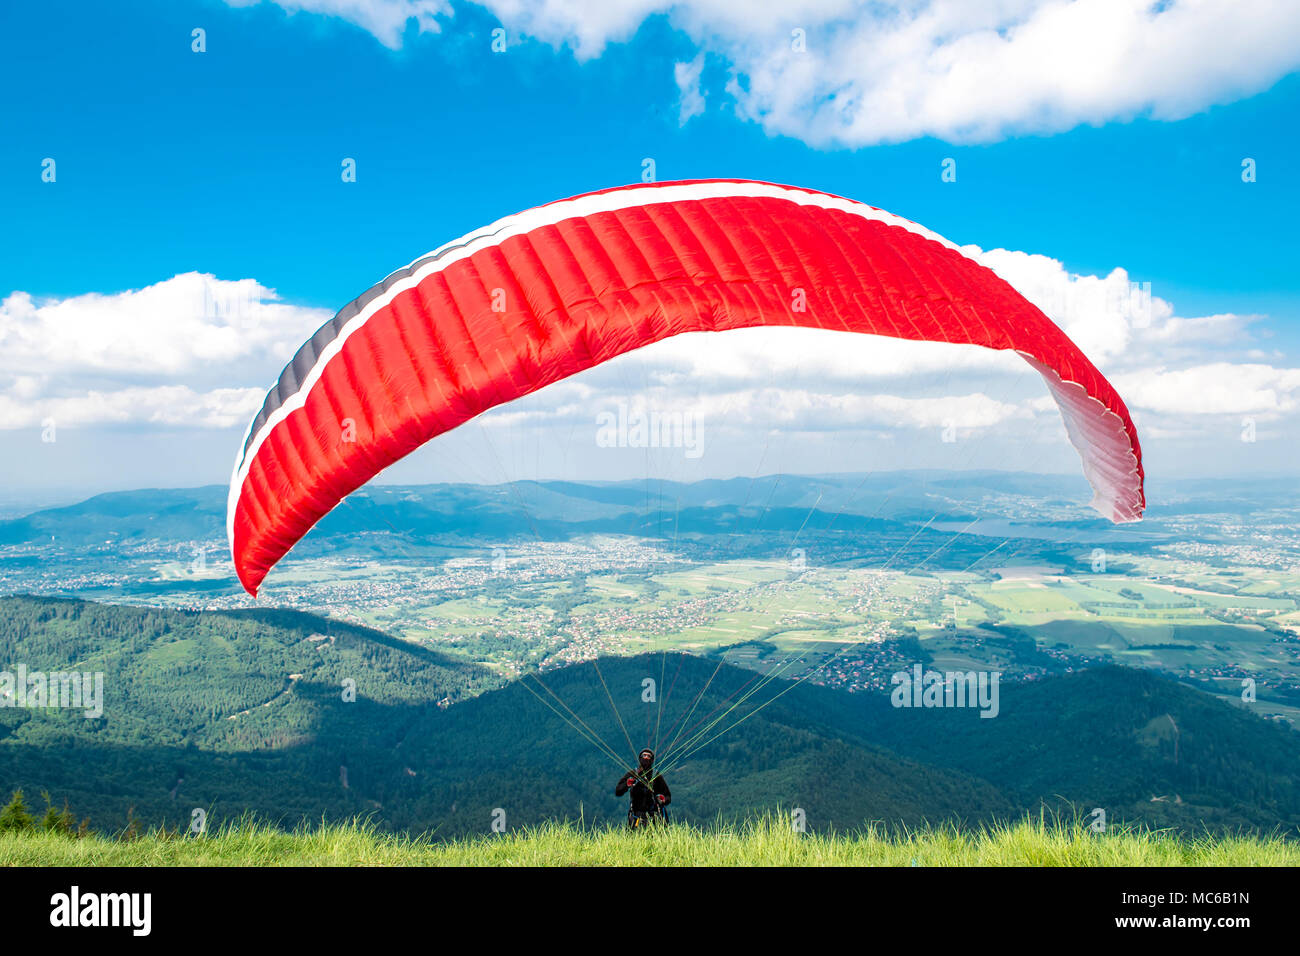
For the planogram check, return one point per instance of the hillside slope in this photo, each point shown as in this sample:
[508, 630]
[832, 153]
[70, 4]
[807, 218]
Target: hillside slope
[246, 711]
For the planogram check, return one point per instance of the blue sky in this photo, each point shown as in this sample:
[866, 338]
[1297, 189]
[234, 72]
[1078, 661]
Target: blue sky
[226, 163]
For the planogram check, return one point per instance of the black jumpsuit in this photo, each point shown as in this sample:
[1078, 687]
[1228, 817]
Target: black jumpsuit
[645, 804]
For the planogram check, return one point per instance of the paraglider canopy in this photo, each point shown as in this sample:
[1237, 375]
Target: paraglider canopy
[545, 294]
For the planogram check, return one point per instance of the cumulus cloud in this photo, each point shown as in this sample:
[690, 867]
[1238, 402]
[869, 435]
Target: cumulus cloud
[1172, 370]
[196, 351]
[838, 72]
[811, 356]
[173, 405]
[978, 72]
[1217, 388]
[690, 93]
[191, 350]
[804, 410]
[784, 408]
[386, 19]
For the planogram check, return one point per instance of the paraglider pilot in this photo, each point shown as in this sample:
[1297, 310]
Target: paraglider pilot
[650, 794]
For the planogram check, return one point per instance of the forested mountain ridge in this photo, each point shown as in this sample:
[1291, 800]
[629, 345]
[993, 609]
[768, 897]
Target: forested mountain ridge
[236, 711]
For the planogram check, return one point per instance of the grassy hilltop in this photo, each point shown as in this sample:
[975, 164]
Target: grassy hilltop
[759, 841]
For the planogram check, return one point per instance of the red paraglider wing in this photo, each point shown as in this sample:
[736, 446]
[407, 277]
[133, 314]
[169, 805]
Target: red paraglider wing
[540, 296]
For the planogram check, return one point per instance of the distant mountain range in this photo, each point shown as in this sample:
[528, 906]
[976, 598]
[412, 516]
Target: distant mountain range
[244, 711]
[558, 509]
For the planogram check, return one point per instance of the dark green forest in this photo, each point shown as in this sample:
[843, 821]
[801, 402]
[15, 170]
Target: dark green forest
[299, 718]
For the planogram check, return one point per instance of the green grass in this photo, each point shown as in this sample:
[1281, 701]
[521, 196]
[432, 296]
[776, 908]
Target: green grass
[768, 841]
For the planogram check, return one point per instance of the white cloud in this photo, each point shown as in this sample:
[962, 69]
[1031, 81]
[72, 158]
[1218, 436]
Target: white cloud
[586, 26]
[690, 92]
[386, 19]
[903, 69]
[1208, 330]
[196, 351]
[170, 405]
[1118, 322]
[978, 72]
[796, 409]
[1102, 314]
[785, 354]
[1218, 388]
[165, 354]
[171, 327]
[804, 410]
